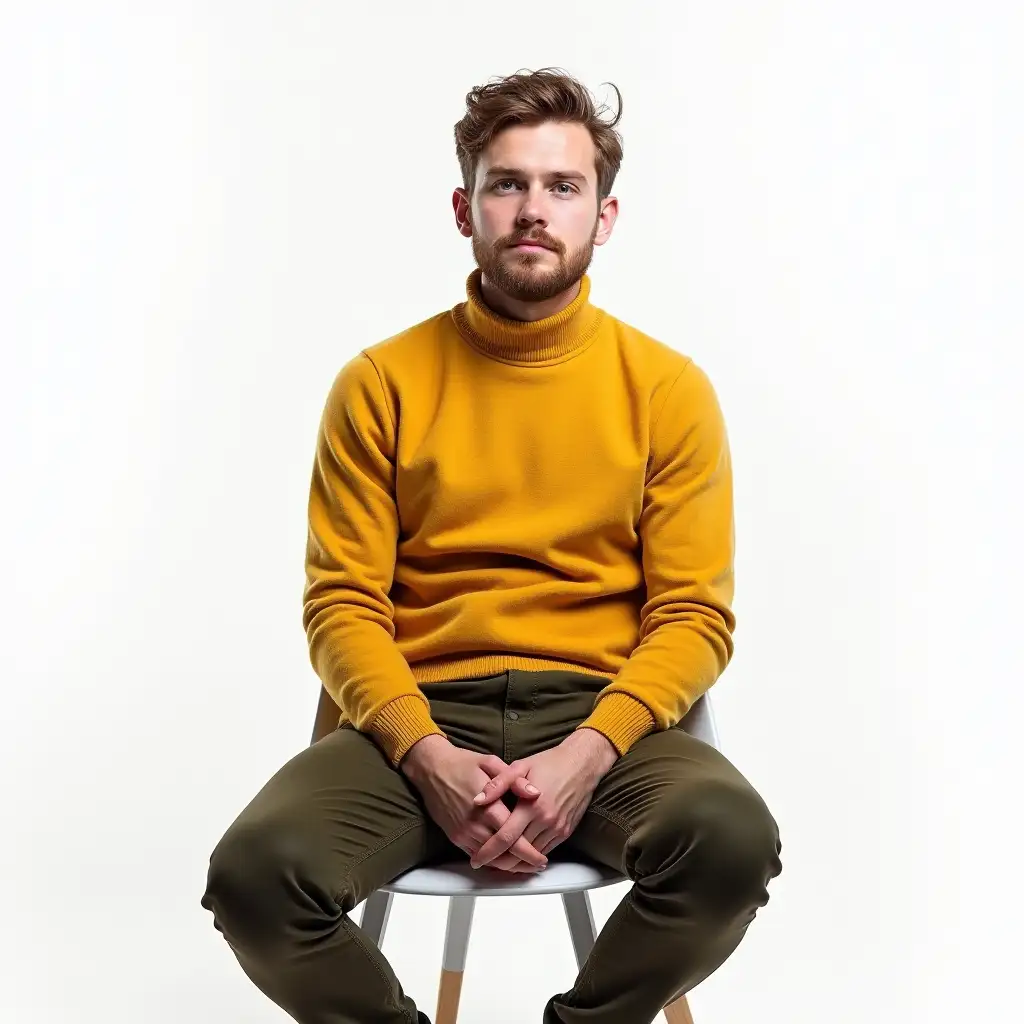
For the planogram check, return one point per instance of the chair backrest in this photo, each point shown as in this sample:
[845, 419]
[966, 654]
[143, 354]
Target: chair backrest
[327, 717]
[699, 720]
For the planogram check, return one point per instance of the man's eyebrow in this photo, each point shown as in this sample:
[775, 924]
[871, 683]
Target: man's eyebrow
[518, 172]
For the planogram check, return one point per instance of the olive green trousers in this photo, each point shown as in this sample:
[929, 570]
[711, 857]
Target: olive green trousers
[337, 822]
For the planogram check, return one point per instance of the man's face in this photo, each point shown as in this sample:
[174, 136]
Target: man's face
[536, 184]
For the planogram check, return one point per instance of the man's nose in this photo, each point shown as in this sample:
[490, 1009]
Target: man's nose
[533, 209]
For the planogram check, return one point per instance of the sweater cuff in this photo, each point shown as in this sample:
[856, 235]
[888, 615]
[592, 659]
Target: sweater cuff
[621, 718]
[401, 723]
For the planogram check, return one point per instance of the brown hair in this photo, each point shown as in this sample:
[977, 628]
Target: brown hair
[531, 98]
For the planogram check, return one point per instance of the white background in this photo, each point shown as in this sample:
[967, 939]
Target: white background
[207, 208]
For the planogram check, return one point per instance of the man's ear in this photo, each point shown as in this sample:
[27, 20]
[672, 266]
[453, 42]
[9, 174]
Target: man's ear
[606, 220]
[463, 212]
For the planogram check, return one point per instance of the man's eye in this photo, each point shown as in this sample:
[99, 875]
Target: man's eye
[567, 188]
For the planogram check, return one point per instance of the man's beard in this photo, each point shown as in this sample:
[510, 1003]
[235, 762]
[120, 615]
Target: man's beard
[515, 274]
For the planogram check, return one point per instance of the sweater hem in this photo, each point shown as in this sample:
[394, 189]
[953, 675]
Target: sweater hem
[466, 667]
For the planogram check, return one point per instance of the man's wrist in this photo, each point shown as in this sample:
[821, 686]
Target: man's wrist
[418, 757]
[598, 750]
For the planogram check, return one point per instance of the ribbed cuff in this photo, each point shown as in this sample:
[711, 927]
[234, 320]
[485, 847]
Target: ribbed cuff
[400, 724]
[621, 718]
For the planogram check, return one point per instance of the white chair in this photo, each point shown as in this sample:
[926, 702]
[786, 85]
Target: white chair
[462, 884]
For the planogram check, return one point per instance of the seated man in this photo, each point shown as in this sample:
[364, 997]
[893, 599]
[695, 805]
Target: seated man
[519, 578]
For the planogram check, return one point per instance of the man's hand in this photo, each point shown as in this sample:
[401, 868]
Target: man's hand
[566, 776]
[447, 777]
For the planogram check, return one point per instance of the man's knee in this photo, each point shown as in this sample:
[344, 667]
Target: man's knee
[260, 880]
[721, 837]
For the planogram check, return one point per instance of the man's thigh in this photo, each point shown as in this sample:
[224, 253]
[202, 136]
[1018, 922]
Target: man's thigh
[337, 814]
[670, 788]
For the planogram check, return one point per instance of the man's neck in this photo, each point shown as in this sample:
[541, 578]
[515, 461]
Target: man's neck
[517, 309]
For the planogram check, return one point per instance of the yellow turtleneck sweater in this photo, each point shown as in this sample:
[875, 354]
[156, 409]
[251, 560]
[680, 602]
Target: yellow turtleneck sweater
[490, 494]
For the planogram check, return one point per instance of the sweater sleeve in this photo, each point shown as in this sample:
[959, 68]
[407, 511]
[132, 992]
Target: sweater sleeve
[687, 535]
[350, 562]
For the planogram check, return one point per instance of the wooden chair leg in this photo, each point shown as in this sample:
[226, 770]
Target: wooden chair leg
[453, 967]
[678, 1012]
[448, 995]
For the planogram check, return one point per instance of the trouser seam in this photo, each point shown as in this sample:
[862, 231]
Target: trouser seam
[615, 818]
[357, 934]
[588, 964]
[620, 822]
[359, 938]
[387, 840]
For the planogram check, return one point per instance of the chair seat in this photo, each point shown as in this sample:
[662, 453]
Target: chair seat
[458, 878]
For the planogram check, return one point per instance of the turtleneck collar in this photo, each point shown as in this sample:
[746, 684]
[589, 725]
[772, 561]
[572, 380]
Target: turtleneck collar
[551, 340]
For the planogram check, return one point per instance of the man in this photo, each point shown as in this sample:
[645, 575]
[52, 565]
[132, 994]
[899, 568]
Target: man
[519, 580]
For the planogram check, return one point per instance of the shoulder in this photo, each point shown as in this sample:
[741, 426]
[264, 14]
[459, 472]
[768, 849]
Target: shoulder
[413, 347]
[665, 371]
[370, 375]
[653, 354]
[683, 405]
